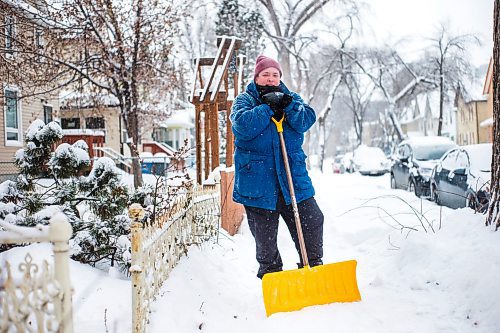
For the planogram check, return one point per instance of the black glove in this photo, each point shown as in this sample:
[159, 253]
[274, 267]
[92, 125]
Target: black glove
[278, 114]
[277, 101]
[262, 90]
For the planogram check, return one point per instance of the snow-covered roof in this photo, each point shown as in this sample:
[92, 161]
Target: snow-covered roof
[423, 103]
[32, 13]
[74, 99]
[473, 88]
[179, 119]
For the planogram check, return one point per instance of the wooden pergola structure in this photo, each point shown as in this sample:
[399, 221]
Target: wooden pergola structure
[213, 92]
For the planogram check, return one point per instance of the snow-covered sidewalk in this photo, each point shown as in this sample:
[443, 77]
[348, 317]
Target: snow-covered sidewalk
[442, 281]
[410, 281]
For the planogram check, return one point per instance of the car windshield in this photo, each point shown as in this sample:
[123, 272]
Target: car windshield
[430, 152]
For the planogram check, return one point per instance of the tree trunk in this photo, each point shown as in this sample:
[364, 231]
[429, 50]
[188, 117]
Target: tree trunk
[494, 208]
[441, 97]
[395, 122]
[284, 60]
[322, 137]
[132, 125]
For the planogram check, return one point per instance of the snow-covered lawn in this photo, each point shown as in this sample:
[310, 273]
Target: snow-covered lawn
[410, 281]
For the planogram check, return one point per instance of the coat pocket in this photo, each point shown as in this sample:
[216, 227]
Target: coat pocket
[301, 180]
[249, 179]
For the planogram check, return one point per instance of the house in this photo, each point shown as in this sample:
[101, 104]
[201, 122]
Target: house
[20, 108]
[84, 115]
[421, 117]
[486, 126]
[176, 130]
[472, 110]
[96, 119]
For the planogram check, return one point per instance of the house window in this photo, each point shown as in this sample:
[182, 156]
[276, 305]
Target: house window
[9, 35]
[70, 123]
[38, 38]
[47, 113]
[94, 123]
[12, 118]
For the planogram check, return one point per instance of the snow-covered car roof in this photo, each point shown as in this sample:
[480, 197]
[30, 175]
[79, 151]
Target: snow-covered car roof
[479, 156]
[428, 141]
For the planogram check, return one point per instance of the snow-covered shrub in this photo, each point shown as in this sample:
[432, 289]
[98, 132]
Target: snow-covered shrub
[103, 240]
[52, 181]
[68, 160]
[39, 141]
[142, 195]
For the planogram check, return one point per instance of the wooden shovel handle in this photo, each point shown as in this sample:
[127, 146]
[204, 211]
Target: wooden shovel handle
[302, 243]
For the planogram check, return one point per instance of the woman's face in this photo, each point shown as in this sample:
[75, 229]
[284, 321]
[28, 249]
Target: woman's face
[268, 77]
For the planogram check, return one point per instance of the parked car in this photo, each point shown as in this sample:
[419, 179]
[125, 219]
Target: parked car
[462, 177]
[347, 162]
[370, 161]
[413, 162]
[337, 165]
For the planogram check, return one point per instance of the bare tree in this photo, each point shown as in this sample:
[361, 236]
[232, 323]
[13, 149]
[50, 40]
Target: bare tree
[286, 20]
[197, 34]
[360, 94]
[333, 75]
[449, 58]
[28, 42]
[382, 67]
[494, 208]
[120, 49]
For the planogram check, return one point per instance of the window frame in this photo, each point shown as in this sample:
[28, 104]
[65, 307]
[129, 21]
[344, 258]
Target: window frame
[9, 36]
[51, 112]
[92, 122]
[19, 130]
[38, 40]
[64, 123]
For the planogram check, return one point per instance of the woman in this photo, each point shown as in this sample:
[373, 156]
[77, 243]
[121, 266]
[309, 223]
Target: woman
[260, 178]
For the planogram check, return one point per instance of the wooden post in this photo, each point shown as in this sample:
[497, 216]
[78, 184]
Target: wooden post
[136, 214]
[207, 140]
[198, 142]
[231, 212]
[229, 136]
[214, 135]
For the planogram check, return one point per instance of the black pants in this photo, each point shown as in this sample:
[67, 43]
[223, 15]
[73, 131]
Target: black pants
[263, 224]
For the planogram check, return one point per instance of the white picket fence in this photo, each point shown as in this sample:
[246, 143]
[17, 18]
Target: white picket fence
[157, 247]
[39, 301]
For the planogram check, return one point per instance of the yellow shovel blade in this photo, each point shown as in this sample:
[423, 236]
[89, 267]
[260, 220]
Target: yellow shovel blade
[294, 289]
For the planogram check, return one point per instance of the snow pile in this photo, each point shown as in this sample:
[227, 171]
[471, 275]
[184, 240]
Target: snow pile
[439, 280]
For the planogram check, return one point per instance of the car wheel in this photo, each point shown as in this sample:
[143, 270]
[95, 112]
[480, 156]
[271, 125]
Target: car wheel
[471, 201]
[413, 188]
[393, 182]
[433, 193]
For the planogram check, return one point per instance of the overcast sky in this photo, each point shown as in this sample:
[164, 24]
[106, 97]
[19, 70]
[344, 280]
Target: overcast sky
[392, 19]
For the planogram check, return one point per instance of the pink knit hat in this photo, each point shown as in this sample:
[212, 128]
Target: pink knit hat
[264, 62]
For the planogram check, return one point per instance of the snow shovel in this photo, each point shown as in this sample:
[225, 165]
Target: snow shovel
[295, 289]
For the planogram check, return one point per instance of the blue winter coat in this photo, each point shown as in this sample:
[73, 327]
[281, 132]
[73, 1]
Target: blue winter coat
[259, 170]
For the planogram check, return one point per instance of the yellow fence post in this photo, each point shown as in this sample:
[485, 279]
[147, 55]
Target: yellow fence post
[136, 213]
